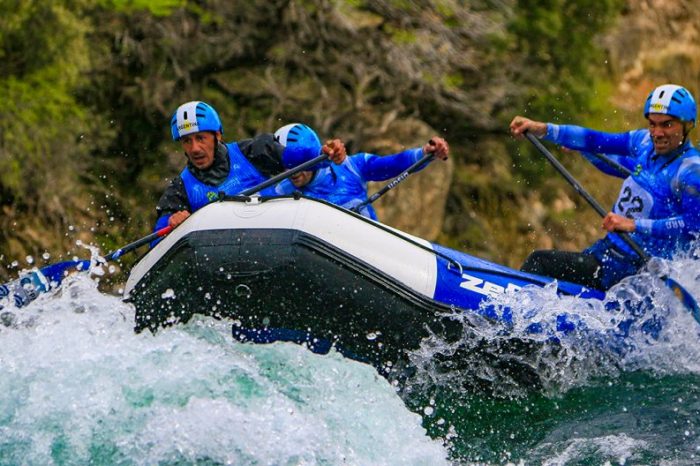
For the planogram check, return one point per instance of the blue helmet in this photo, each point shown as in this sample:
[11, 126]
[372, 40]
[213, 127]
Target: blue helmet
[194, 117]
[300, 143]
[672, 100]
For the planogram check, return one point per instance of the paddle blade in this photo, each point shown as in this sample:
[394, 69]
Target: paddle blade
[56, 272]
[30, 285]
[684, 297]
[25, 289]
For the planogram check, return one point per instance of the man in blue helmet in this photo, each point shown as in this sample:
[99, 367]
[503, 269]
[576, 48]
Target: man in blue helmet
[658, 204]
[214, 166]
[345, 182]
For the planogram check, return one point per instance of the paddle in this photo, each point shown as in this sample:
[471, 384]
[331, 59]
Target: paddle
[51, 275]
[284, 175]
[412, 169]
[613, 164]
[681, 293]
[55, 272]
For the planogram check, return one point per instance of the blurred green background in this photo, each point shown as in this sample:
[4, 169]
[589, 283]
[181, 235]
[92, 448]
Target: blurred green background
[87, 89]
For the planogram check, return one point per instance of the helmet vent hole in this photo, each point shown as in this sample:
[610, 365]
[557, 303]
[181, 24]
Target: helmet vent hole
[185, 115]
[662, 94]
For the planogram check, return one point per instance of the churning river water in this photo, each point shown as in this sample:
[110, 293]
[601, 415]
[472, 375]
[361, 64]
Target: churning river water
[78, 386]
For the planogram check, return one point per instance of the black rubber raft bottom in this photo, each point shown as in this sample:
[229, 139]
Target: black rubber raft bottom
[276, 284]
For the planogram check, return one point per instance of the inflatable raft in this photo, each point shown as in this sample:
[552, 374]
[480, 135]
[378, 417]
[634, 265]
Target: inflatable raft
[307, 271]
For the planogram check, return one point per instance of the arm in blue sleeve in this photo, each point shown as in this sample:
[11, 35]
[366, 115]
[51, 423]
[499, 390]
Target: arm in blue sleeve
[588, 140]
[161, 223]
[627, 162]
[285, 187]
[273, 190]
[380, 168]
[615, 146]
[686, 223]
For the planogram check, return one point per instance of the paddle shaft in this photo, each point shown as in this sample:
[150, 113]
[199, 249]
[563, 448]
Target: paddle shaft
[138, 243]
[610, 162]
[277, 178]
[579, 189]
[412, 169]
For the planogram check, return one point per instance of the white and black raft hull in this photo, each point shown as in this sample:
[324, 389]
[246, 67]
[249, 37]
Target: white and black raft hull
[304, 270]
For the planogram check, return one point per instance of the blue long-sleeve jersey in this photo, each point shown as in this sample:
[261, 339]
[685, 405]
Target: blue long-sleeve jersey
[662, 195]
[346, 184]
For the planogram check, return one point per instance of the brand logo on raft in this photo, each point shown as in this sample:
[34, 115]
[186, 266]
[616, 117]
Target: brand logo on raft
[486, 288]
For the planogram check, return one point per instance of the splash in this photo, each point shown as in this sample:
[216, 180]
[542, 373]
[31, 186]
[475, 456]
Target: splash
[621, 447]
[640, 325]
[78, 386]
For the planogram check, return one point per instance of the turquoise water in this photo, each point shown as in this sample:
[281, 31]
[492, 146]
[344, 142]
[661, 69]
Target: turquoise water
[637, 418]
[77, 386]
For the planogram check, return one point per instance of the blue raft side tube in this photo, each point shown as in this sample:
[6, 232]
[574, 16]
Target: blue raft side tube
[467, 286]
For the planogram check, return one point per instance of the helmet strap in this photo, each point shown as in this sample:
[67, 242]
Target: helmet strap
[687, 128]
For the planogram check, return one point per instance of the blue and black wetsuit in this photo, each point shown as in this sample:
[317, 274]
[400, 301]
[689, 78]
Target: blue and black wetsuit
[346, 184]
[237, 166]
[662, 195]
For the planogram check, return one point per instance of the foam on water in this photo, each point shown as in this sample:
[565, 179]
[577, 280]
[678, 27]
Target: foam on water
[640, 325]
[78, 386]
[621, 447]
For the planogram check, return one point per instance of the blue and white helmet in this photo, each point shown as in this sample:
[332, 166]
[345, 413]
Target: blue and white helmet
[672, 100]
[300, 143]
[194, 117]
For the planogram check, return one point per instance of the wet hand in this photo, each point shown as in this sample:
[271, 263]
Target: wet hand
[335, 150]
[521, 124]
[177, 218]
[437, 146]
[614, 222]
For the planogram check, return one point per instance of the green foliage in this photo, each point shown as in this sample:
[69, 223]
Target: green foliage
[156, 7]
[39, 34]
[564, 75]
[563, 63]
[88, 88]
[46, 134]
[399, 35]
[40, 73]
[451, 81]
